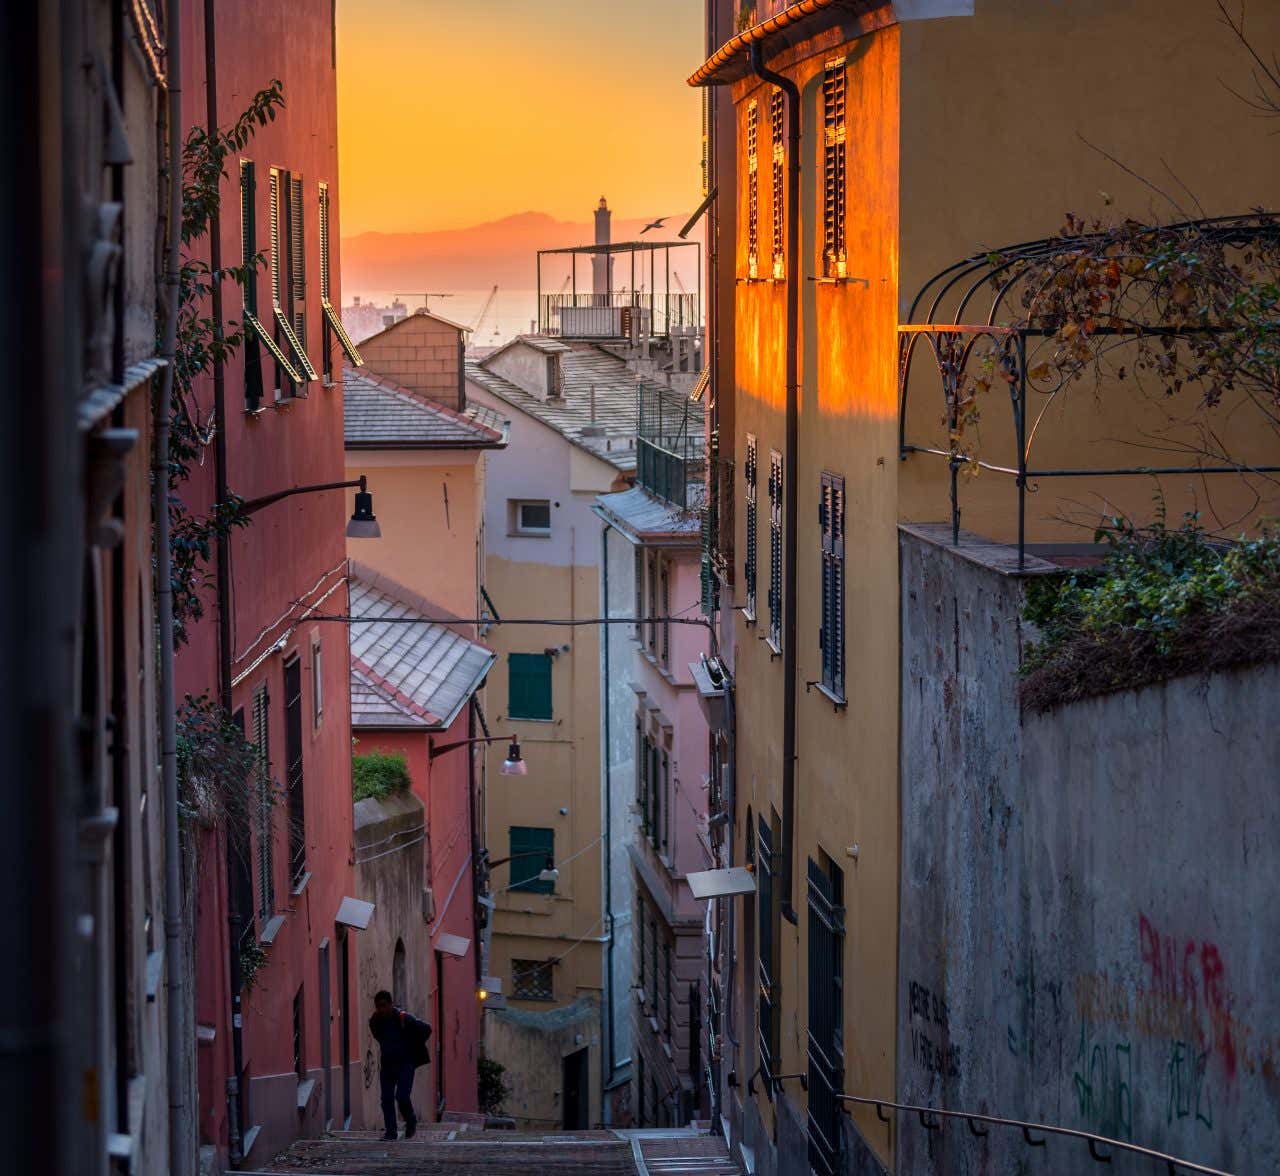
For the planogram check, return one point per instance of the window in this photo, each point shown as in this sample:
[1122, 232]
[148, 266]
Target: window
[265, 804]
[695, 1044]
[753, 190]
[640, 1089]
[640, 925]
[293, 770]
[297, 262]
[639, 558]
[826, 1012]
[286, 246]
[533, 979]
[333, 327]
[240, 882]
[532, 852]
[664, 610]
[653, 947]
[666, 969]
[642, 775]
[530, 516]
[831, 634]
[528, 686]
[777, 125]
[299, 1037]
[767, 909]
[249, 263]
[749, 557]
[665, 789]
[656, 796]
[653, 604]
[399, 975]
[834, 257]
[775, 549]
[317, 683]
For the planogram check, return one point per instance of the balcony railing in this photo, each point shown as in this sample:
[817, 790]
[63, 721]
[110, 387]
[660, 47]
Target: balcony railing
[670, 447]
[622, 314]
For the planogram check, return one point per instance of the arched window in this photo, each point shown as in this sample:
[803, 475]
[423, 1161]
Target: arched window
[398, 982]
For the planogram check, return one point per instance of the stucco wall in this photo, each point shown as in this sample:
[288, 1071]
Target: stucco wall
[1088, 935]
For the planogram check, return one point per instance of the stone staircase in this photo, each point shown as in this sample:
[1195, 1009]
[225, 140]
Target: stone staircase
[448, 1149]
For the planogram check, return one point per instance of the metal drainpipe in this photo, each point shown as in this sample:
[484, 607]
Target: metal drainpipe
[181, 1143]
[608, 828]
[790, 476]
[235, 920]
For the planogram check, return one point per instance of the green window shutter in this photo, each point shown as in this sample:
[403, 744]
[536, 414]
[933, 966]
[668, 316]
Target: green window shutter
[528, 686]
[532, 851]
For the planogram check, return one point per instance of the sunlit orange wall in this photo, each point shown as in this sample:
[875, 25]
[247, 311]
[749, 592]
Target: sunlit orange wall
[999, 112]
[847, 758]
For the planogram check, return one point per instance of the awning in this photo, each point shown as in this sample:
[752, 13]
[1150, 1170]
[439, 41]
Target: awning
[721, 883]
[354, 913]
[453, 945]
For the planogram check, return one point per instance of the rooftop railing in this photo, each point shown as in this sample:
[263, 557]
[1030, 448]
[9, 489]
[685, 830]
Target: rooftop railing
[622, 314]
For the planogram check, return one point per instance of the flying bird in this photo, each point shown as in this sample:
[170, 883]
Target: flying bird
[655, 224]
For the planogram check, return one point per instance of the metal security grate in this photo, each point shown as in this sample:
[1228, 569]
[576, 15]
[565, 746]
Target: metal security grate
[777, 136]
[831, 633]
[293, 768]
[753, 190]
[775, 548]
[834, 256]
[265, 803]
[826, 1013]
[767, 1027]
[533, 979]
[750, 558]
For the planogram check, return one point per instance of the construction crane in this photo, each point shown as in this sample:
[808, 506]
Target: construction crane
[484, 312]
[426, 297]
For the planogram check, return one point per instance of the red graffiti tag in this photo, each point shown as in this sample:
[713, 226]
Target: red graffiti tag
[1194, 976]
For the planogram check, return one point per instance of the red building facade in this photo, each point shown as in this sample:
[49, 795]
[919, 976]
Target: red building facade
[269, 891]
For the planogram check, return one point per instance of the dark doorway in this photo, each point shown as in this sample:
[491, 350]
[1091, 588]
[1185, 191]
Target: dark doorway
[344, 1015]
[577, 1091]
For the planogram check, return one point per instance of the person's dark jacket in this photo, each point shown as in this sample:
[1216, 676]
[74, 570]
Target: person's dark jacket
[402, 1038]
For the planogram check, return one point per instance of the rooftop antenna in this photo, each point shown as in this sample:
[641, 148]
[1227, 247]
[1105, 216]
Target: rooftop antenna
[426, 297]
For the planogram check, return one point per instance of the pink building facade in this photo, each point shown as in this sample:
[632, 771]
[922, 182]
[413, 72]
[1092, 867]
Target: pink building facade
[669, 837]
[274, 999]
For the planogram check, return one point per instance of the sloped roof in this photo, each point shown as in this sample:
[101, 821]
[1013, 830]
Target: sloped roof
[407, 675]
[419, 312]
[648, 518]
[378, 413]
[610, 435]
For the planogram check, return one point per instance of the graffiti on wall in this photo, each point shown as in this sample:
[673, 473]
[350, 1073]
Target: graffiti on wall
[929, 1018]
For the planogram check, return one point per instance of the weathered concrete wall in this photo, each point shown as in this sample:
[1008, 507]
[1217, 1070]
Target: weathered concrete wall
[390, 850]
[533, 1046]
[1089, 933]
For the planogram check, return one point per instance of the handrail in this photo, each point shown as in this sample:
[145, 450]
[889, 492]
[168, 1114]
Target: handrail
[1090, 1137]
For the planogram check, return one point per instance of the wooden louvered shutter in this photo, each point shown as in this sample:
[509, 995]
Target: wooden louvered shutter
[753, 190]
[297, 260]
[749, 564]
[833, 170]
[248, 235]
[528, 686]
[775, 547]
[776, 127]
[274, 216]
[265, 804]
[831, 635]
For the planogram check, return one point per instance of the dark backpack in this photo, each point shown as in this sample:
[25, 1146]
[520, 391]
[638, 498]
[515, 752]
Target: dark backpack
[416, 1034]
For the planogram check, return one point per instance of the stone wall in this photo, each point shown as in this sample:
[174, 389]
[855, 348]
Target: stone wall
[1089, 935]
[390, 859]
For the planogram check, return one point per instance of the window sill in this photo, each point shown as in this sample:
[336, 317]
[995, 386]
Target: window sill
[528, 534]
[305, 1090]
[775, 650]
[155, 970]
[271, 930]
[838, 701]
[748, 615]
[301, 885]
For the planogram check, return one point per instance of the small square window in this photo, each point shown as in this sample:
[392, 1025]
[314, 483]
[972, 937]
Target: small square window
[530, 516]
[533, 979]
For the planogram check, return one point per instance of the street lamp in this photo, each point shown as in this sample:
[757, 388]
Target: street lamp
[513, 765]
[363, 523]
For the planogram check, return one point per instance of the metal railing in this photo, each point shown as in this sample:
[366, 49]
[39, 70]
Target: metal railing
[975, 1119]
[619, 314]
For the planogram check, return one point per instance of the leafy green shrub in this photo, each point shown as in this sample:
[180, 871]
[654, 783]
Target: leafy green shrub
[1164, 602]
[493, 1090]
[378, 774]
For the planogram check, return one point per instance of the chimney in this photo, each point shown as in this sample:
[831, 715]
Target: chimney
[602, 263]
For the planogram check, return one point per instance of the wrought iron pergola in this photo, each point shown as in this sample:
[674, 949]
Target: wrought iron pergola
[976, 299]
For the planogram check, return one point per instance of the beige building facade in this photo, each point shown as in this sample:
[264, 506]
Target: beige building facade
[927, 133]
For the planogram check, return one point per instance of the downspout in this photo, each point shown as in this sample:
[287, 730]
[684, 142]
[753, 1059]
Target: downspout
[235, 920]
[611, 1045]
[791, 500]
[180, 1146]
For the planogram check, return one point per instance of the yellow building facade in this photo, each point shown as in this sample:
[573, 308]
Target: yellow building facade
[927, 133]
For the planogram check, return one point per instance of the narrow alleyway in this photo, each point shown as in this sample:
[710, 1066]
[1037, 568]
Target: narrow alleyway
[444, 1149]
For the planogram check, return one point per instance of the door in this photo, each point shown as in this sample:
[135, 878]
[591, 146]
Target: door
[577, 1090]
[326, 1034]
[344, 1015]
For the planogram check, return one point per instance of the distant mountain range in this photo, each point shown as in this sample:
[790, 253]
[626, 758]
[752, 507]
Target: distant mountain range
[501, 251]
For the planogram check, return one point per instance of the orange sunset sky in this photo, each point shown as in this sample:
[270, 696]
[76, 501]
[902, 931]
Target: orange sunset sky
[456, 112]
